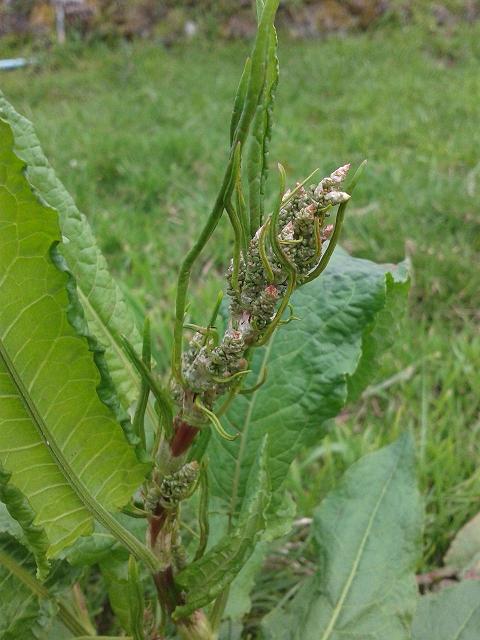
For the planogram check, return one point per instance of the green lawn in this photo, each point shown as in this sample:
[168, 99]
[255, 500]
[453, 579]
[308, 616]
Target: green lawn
[139, 136]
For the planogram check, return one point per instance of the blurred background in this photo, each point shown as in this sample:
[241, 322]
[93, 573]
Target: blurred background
[132, 100]
[170, 19]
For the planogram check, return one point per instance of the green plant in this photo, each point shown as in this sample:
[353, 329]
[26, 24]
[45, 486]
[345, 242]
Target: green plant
[177, 511]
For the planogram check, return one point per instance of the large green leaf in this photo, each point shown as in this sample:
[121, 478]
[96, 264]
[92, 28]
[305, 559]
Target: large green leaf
[204, 579]
[62, 446]
[107, 313]
[451, 614]
[368, 535]
[309, 362]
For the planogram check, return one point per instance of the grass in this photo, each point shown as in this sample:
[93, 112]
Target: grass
[139, 136]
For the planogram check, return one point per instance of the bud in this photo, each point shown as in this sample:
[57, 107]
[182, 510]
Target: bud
[287, 231]
[336, 197]
[340, 174]
[178, 486]
[271, 291]
[327, 232]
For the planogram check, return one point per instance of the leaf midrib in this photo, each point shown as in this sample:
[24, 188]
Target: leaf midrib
[464, 625]
[87, 500]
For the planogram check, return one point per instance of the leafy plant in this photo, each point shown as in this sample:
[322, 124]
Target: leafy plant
[166, 488]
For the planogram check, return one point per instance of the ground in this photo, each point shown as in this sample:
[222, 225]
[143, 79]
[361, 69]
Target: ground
[139, 136]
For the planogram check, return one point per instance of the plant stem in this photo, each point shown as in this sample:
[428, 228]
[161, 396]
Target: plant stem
[255, 87]
[218, 609]
[186, 269]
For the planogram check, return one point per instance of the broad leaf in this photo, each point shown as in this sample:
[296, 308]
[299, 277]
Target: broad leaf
[382, 333]
[62, 446]
[107, 313]
[114, 570]
[309, 363]
[20, 607]
[239, 600]
[451, 614]
[206, 578]
[464, 552]
[125, 591]
[28, 607]
[102, 548]
[92, 549]
[368, 533]
[22, 526]
[101, 544]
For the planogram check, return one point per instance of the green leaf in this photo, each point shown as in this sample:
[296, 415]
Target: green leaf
[451, 614]
[464, 552]
[309, 363]
[368, 536]
[208, 577]
[92, 549]
[257, 162]
[115, 573]
[136, 600]
[240, 98]
[101, 544]
[28, 607]
[256, 78]
[17, 518]
[382, 333]
[125, 589]
[107, 313]
[259, 7]
[61, 445]
[20, 607]
[281, 513]
[114, 566]
[239, 601]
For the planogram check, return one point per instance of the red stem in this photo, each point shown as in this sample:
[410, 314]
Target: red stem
[183, 437]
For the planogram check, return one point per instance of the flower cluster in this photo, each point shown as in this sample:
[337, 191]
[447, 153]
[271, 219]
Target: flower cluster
[301, 234]
[173, 488]
[209, 368]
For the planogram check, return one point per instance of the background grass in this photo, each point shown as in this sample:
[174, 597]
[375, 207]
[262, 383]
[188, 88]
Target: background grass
[139, 136]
